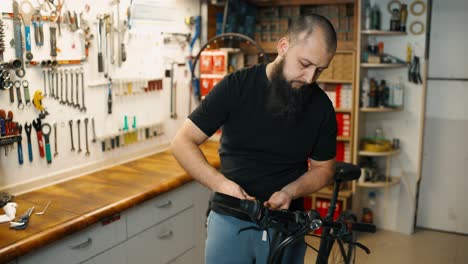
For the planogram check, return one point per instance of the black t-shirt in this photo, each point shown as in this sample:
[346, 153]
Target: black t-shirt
[258, 151]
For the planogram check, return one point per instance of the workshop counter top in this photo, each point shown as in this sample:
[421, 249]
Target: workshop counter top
[83, 201]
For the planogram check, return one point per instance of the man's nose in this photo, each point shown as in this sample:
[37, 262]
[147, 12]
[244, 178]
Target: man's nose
[310, 74]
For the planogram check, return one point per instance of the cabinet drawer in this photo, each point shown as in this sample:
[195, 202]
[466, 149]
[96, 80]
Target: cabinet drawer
[160, 208]
[80, 246]
[186, 258]
[115, 255]
[164, 241]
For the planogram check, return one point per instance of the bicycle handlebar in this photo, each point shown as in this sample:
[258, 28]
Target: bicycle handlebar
[265, 217]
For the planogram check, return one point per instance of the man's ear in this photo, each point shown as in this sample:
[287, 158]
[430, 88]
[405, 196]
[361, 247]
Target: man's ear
[282, 46]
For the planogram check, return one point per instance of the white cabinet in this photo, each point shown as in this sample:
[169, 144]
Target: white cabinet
[169, 228]
[80, 246]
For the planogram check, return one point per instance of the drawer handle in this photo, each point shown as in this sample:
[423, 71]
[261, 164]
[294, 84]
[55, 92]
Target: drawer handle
[82, 245]
[164, 205]
[166, 235]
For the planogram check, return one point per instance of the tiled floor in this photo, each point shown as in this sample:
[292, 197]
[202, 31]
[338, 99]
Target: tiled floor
[424, 246]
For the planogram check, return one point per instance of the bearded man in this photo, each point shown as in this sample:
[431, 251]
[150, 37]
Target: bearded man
[274, 119]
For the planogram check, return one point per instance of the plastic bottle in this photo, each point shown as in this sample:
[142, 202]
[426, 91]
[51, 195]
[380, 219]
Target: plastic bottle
[367, 12]
[365, 92]
[368, 211]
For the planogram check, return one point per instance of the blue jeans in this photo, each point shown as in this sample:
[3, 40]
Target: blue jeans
[225, 245]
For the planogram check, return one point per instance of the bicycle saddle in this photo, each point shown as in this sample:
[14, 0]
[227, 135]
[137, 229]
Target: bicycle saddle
[347, 172]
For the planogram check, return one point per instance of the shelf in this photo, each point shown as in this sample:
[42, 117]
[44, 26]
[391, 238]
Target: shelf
[343, 110]
[8, 140]
[270, 47]
[343, 138]
[394, 181]
[379, 154]
[298, 2]
[334, 81]
[380, 109]
[383, 32]
[383, 65]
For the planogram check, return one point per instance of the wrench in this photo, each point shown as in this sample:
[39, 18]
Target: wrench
[72, 103]
[38, 28]
[57, 85]
[18, 94]
[86, 136]
[47, 141]
[27, 129]
[66, 87]
[77, 102]
[61, 88]
[55, 140]
[38, 127]
[27, 96]
[70, 123]
[51, 84]
[20, 147]
[45, 82]
[94, 130]
[100, 25]
[27, 10]
[78, 124]
[53, 33]
[83, 107]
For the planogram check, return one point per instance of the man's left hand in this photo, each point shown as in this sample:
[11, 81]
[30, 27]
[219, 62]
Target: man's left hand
[278, 201]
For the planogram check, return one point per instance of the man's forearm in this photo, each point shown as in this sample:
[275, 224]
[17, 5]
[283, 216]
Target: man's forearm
[310, 182]
[192, 159]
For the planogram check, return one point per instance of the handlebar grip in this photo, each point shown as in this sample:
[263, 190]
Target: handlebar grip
[250, 208]
[362, 227]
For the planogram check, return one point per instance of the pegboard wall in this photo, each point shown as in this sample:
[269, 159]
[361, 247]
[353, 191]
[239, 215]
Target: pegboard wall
[150, 53]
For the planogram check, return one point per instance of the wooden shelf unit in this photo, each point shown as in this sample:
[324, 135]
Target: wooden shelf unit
[382, 32]
[381, 184]
[383, 65]
[380, 109]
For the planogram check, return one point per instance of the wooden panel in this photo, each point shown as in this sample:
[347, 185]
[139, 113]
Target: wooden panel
[298, 2]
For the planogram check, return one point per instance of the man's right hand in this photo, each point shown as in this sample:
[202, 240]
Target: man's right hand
[233, 189]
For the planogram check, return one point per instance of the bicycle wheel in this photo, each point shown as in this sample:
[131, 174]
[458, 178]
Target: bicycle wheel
[336, 256]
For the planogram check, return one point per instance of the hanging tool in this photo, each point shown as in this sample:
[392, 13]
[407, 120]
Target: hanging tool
[18, 36]
[58, 9]
[2, 123]
[414, 71]
[51, 84]
[109, 96]
[2, 39]
[45, 82]
[86, 136]
[67, 102]
[78, 125]
[27, 129]
[72, 102]
[27, 96]
[62, 101]
[94, 130]
[55, 140]
[106, 42]
[18, 94]
[57, 97]
[77, 82]
[37, 124]
[83, 107]
[46, 132]
[27, 10]
[37, 102]
[100, 25]
[20, 146]
[110, 32]
[173, 93]
[23, 221]
[70, 124]
[38, 28]
[53, 18]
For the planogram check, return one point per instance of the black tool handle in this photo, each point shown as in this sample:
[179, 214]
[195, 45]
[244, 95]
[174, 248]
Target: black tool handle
[53, 42]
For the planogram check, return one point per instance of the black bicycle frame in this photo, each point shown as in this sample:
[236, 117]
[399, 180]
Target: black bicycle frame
[326, 242]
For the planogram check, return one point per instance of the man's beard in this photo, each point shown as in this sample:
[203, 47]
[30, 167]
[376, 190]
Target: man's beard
[284, 101]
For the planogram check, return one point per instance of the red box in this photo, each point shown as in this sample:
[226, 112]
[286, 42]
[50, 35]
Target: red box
[219, 62]
[206, 62]
[206, 84]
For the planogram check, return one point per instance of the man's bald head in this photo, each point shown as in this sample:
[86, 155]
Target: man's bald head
[304, 26]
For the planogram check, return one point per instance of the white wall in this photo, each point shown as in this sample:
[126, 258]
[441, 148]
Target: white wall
[147, 57]
[396, 205]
